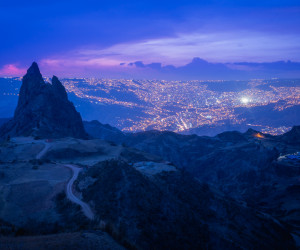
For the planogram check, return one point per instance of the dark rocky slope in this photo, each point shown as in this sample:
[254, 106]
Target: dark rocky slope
[244, 166]
[103, 131]
[3, 120]
[171, 210]
[292, 137]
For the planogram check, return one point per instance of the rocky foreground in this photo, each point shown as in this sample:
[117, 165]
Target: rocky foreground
[140, 200]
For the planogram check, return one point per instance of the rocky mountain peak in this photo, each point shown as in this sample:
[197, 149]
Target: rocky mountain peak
[34, 69]
[251, 132]
[296, 130]
[59, 88]
[33, 77]
[43, 110]
[31, 85]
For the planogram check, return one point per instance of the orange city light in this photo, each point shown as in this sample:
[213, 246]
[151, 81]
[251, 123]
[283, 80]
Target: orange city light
[259, 135]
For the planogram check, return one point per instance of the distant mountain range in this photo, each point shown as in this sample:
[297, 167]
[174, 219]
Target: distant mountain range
[200, 69]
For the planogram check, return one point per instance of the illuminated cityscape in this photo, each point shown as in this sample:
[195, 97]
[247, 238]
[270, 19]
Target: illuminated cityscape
[178, 105]
[182, 105]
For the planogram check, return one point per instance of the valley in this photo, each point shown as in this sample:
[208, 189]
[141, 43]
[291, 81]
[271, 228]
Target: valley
[94, 184]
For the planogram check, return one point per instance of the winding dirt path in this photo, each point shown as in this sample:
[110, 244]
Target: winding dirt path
[70, 195]
[44, 150]
[85, 207]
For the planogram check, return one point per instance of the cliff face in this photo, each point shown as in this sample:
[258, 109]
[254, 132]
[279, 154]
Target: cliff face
[43, 110]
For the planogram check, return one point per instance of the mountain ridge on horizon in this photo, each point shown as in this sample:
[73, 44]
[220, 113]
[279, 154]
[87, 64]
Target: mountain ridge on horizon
[196, 69]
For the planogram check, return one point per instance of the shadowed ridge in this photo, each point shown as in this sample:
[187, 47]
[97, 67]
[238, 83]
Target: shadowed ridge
[32, 84]
[232, 136]
[59, 88]
[251, 131]
[293, 136]
[33, 77]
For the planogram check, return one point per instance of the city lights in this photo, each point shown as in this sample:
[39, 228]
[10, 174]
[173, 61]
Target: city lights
[245, 100]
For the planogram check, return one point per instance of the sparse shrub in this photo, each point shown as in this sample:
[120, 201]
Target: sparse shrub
[36, 161]
[60, 196]
[80, 165]
[2, 174]
[112, 143]
[21, 232]
[35, 227]
[46, 160]
[102, 224]
[118, 235]
[72, 217]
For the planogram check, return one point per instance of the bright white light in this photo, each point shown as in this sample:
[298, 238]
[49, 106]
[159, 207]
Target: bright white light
[245, 100]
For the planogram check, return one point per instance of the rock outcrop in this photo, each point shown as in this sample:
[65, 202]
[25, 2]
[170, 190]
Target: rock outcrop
[104, 131]
[293, 136]
[43, 110]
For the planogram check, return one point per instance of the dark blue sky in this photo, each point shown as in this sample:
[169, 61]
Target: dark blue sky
[91, 37]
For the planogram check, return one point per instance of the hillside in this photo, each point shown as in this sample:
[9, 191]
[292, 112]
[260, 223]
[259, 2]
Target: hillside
[140, 200]
[250, 167]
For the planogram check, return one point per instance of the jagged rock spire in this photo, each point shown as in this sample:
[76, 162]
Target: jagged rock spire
[59, 88]
[31, 85]
[34, 69]
[44, 110]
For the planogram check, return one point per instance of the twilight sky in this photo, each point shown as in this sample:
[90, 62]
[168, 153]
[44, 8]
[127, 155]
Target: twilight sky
[101, 38]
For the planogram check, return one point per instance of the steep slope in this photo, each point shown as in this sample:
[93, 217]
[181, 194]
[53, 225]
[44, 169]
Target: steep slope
[292, 137]
[3, 120]
[245, 166]
[250, 167]
[43, 110]
[103, 131]
[171, 210]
